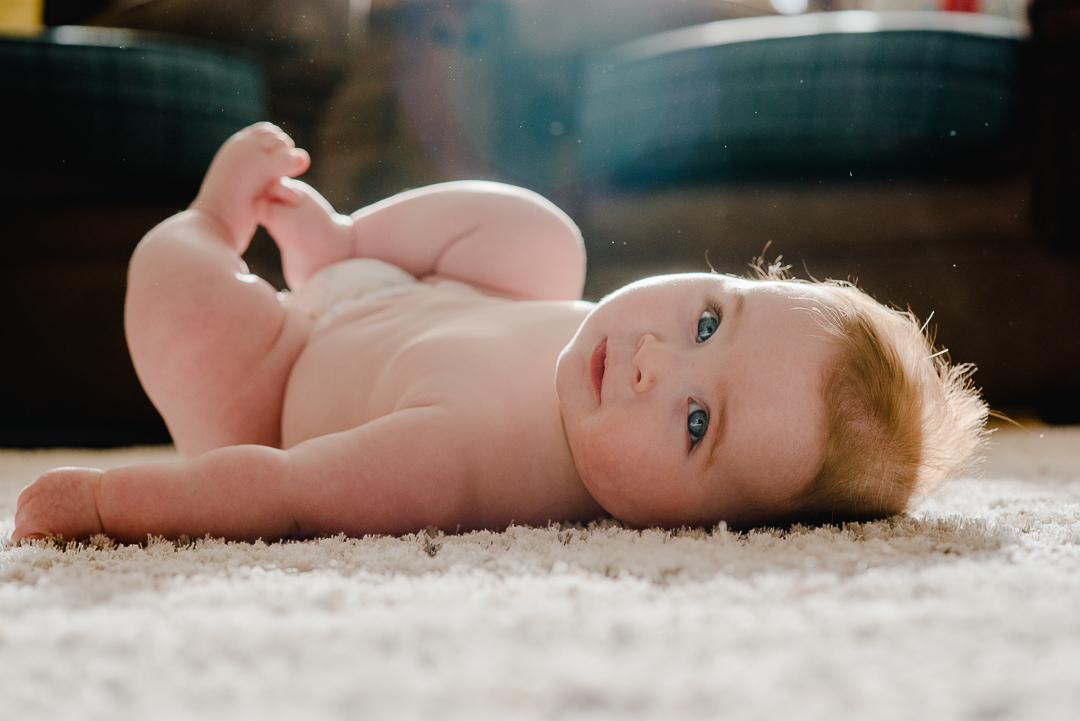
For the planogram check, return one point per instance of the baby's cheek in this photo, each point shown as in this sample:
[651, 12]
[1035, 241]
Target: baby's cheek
[598, 465]
[616, 473]
[635, 481]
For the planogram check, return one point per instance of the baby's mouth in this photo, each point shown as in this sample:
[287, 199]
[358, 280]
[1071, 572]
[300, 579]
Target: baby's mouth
[597, 366]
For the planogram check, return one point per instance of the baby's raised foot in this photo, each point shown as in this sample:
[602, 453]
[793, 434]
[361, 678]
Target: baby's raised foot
[246, 165]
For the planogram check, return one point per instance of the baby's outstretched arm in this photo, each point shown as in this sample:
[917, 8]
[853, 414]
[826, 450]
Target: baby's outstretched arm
[501, 238]
[394, 475]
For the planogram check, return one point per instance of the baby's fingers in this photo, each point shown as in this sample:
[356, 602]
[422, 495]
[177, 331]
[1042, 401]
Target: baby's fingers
[286, 191]
[62, 502]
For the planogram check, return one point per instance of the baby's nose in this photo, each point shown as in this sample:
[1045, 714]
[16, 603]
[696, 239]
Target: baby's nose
[651, 361]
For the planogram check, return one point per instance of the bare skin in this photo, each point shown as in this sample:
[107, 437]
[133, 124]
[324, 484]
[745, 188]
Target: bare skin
[436, 407]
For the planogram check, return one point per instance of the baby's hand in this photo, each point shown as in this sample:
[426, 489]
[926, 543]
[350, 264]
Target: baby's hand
[60, 503]
[307, 230]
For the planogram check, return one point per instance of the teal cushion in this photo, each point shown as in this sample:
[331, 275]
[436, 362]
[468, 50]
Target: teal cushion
[849, 93]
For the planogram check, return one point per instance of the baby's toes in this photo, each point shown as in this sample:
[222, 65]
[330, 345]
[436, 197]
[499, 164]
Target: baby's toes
[276, 152]
[269, 136]
[285, 159]
[252, 144]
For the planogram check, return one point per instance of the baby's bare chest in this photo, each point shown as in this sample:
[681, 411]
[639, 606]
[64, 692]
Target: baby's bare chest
[488, 358]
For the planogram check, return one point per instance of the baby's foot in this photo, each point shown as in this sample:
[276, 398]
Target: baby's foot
[243, 168]
[307, 230]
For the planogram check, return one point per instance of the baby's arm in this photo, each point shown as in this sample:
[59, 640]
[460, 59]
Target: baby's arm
[501, 238]
[394, 475]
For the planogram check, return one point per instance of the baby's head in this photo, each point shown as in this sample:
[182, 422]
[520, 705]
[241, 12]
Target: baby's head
[691, 399]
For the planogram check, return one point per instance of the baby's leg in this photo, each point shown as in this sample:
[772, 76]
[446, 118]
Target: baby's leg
[212, 345]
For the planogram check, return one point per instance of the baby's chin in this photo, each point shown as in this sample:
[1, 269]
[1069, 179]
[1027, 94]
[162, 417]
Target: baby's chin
[639, 511]
[660, 511]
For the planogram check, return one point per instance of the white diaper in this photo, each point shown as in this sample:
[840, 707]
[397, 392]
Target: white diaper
[350, 279]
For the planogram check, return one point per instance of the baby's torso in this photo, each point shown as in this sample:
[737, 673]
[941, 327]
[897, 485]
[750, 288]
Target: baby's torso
[490, 361]
[436, 344]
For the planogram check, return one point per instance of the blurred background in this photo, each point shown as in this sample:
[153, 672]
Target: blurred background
[927, 149]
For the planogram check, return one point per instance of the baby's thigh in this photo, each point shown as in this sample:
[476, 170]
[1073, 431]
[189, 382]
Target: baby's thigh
[212, 345]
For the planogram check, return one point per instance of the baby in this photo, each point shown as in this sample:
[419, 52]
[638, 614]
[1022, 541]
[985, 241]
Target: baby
[461, 383]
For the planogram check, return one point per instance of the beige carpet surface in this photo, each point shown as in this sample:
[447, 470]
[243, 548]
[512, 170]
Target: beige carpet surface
[969, 608]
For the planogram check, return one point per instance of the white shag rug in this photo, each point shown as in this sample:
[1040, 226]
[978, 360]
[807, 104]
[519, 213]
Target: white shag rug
[967, 609]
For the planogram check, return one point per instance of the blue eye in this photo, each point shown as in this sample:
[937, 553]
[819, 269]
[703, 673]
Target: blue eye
[697, 422]
[707, 325]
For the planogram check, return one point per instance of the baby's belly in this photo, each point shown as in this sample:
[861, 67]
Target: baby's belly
[374, 358]
[331, 387]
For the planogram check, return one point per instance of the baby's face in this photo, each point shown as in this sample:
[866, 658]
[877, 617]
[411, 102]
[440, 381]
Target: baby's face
[690, 399]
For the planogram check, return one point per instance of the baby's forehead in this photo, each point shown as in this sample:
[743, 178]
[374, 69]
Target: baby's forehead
[793, 314]
[771, 284]
[780, 295]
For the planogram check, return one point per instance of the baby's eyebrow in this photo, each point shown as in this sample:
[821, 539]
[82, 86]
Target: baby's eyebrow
[733, 318]
[719, 424]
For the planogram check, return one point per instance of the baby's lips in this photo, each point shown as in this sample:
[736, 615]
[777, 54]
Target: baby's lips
[598, 368]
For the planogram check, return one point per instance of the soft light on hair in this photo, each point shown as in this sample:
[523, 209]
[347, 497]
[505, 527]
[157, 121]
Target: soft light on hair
[900, 419]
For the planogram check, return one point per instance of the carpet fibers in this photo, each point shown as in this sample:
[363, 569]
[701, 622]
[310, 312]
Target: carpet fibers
[968, 608]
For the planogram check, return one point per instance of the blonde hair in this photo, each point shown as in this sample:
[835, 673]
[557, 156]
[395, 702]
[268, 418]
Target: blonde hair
[900, 419]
